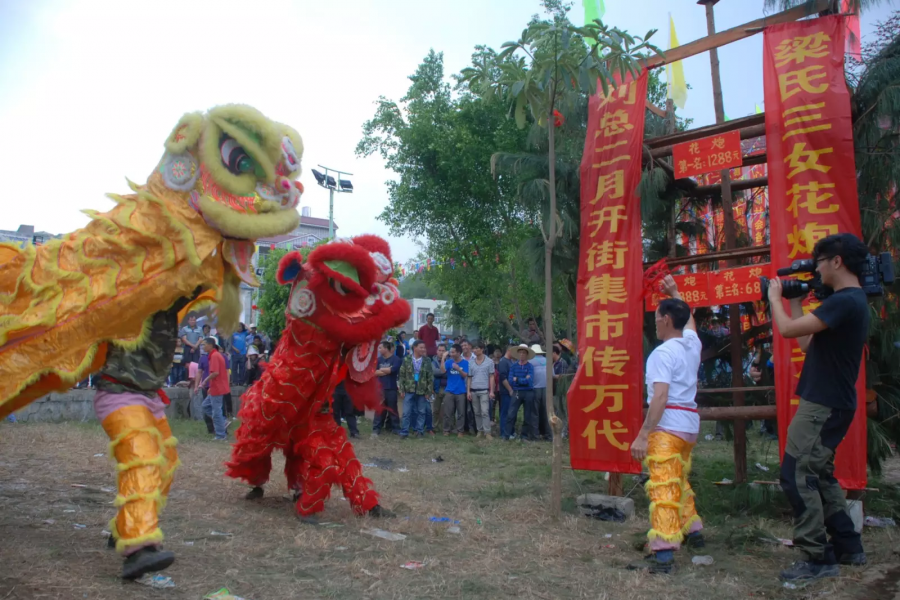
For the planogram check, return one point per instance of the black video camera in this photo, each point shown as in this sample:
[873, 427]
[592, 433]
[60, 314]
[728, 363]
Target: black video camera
[877, 271]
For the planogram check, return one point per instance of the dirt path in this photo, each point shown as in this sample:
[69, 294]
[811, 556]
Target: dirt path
[506, 548]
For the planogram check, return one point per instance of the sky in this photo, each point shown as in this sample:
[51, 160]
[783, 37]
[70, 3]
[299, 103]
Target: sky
[89, 89]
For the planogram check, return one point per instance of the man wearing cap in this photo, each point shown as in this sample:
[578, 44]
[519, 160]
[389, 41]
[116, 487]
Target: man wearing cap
[255, 368]
[521, 378]
[218, 387]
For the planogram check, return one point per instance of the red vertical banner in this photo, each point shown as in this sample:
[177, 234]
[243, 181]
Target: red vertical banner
[812, 187]
[605, 397]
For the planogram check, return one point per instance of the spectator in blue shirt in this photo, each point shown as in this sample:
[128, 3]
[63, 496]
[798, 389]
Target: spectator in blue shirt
[457, 371]
[506, 390]
[239, 355]
[388, 367]
[521, 379]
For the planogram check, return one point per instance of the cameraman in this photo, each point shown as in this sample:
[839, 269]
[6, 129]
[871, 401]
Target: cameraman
[832, 336]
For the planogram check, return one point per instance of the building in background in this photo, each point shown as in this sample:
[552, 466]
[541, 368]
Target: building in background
[26, 234]
[441, 309]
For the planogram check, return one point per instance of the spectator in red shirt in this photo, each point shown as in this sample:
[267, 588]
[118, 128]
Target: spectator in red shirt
[430, 335]
[218, 387]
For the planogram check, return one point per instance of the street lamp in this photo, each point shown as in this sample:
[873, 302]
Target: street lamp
[340, 185]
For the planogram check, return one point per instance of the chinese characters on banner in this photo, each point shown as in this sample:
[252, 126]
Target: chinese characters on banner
[812, 185]
[712, 153]
[605, 397]
[712, 288]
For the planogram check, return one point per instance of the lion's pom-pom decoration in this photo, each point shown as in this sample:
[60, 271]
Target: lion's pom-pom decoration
[343, 299]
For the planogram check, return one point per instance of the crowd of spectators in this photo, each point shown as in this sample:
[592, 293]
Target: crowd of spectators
[432, 385]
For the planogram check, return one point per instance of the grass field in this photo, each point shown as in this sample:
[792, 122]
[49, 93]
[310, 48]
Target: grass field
[498, 491]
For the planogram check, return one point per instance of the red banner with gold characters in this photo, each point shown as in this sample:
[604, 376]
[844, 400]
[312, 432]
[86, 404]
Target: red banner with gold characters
[605, 397]
[713, 153]
[812, 187]
[713, 288]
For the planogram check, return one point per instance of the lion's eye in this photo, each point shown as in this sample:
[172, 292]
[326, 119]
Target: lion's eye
[234, 157]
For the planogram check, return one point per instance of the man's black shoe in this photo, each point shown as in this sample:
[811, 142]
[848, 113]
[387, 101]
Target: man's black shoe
[380, 512]
[146, 560]
[695, 540]
[808, 571]
[857, 559]
[255, 494]
[652, 565]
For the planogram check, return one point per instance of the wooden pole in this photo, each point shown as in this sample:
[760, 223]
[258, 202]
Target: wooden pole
[734, 310]
[670, 228]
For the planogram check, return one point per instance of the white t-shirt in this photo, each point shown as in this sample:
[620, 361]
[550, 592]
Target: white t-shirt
[676, 362]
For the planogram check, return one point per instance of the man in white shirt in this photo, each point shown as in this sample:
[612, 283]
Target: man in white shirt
[670, 432]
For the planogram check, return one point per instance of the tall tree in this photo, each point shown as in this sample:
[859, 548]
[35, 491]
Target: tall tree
[875, 82]
[439, 146]
[534, 74]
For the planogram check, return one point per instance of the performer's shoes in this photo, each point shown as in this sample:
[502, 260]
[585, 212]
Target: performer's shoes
[653, 564]
[146, 560]
[807, 571]
[695, 540]
[111, 542]
[857, 559]
[255, 494]
[380, 512]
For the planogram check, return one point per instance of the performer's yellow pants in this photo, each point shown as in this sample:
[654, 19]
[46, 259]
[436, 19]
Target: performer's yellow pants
[672, 512]
[144, 449]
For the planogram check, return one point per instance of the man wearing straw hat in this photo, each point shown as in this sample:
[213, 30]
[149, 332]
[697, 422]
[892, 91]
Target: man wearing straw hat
[521, 378]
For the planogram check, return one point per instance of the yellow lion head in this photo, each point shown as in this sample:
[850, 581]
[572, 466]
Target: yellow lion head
[237, 168]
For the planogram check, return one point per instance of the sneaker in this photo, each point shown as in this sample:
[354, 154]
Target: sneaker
[857, 559]
[488, 437]
[431, 433]
[419, 436]
[695, 540]
[807, 571]
[446, 434]
[354, 436]
[653, 565]
[255, 494]
[111, 542]
[146, 560]
[460, 435]
[380, 512]
[220, 439]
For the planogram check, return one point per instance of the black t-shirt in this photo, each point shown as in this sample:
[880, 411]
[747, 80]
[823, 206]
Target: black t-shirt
[834, 355]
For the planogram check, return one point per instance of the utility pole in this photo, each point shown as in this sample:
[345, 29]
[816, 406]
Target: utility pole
[734, 310]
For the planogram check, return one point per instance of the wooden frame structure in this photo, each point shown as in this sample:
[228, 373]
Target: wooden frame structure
[660, 148]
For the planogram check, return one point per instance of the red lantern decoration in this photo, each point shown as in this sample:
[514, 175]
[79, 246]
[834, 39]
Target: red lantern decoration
[558, 119]
[254, 307]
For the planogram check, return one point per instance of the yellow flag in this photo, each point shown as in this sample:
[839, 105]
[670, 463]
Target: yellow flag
[676, 88]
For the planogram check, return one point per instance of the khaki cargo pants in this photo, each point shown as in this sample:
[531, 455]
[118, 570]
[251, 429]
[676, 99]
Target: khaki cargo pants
[807, 477]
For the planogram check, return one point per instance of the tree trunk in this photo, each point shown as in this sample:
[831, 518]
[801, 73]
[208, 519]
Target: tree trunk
[555, 422]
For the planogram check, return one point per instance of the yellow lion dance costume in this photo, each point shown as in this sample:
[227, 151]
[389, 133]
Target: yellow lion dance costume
[106, 297]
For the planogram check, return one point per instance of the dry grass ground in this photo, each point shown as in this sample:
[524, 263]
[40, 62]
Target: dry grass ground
[498, 491]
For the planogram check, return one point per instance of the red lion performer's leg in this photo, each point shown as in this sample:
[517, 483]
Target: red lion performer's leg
[251, 454]
[293, 470]
[329, 460]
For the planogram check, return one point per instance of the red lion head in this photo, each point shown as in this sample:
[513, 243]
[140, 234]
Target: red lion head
[345, 288]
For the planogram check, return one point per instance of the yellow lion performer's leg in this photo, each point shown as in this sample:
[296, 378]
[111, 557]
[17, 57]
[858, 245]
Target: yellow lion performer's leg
[668, 474]
[171, 454]
[690, 520]
[137, 445]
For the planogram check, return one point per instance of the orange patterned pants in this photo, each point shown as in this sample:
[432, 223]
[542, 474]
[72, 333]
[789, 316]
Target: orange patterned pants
[672, 512]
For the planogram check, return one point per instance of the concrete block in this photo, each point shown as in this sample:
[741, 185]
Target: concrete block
[588, 502]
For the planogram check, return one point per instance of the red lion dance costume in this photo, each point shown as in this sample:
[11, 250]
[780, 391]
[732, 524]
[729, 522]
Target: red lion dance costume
[342, 302]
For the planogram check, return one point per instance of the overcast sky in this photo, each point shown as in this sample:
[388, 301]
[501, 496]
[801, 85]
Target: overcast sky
[90, 89]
